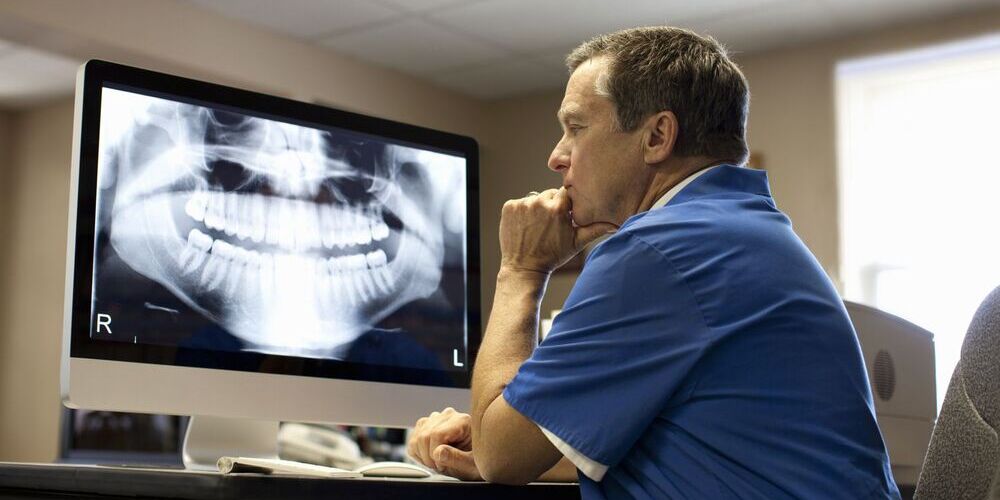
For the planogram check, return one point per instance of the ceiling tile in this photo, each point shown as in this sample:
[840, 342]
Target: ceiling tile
[502, 79]
[859, 15]
[780, 24]
[414, 46]
[526, 25]
[29, 75]
[303, 18]
[426, 5]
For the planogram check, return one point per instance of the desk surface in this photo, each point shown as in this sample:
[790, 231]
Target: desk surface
[87, 481]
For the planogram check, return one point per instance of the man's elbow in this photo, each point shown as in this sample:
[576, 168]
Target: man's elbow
[501, 471]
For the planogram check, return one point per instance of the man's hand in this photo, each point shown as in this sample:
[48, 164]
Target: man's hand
[537, 233]
[443, 442]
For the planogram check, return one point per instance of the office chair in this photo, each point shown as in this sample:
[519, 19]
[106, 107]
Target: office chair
[963, 459]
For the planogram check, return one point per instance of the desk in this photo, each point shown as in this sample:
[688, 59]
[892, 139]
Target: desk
[91, 482]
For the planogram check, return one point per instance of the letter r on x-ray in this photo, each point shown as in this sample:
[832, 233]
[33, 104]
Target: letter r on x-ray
[104, 320]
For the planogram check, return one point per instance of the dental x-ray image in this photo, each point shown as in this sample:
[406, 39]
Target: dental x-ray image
[221, 230]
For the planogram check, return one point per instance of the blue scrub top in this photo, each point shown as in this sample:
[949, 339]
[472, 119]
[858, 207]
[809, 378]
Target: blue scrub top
[703, 353]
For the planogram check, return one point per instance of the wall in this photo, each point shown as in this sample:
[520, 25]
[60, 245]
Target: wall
[33, 270]
[793, 124]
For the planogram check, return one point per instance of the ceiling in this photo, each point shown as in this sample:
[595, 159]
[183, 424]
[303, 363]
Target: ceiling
[492, 49]
[498, 48]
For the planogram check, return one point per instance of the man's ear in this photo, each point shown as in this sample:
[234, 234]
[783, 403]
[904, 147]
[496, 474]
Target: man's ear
[659, 138]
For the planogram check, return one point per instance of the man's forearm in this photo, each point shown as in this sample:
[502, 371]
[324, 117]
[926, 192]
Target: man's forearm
[510, 337]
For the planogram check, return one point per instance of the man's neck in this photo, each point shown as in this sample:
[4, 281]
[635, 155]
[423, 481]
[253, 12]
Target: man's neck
[672, 174]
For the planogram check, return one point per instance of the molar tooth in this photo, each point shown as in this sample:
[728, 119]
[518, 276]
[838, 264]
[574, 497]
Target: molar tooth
[232, 213]
[380, 231]
[357, 264]
[286, 235]
[362, 235]
[253, 258]
[314, 230]
[376, 258]
[368, 283]
[190, 258]
[273, 211]
[386, 276]
[241, 255]
[215, 271]
[196, 205]
[340, 232]
[235, 276]
[348, 287]
[244, 219]
[215, 214]
[258, 217]
[360, 287]
[199, 240]
[326, 227]
[223, 249]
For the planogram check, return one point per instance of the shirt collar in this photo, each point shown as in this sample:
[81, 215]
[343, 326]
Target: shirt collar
[680, 185]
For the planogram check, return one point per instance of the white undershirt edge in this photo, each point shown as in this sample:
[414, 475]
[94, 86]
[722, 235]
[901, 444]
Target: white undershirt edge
[591, 468]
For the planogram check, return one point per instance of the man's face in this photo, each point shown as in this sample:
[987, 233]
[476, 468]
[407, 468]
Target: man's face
[602, 169]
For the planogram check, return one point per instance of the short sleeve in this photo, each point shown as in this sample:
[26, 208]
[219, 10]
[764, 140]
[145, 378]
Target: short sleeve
[621, 348]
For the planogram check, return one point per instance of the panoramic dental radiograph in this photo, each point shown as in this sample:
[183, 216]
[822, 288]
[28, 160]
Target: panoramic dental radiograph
[276, 237]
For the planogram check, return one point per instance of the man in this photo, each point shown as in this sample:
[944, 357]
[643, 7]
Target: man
[702, 353]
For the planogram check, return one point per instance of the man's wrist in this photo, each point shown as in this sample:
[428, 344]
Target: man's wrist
[514, 273]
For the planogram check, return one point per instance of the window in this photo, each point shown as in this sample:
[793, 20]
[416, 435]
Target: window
[919, 159]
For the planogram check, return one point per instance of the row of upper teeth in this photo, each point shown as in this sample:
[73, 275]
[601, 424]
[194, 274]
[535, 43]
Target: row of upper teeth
[351, 279]
[290, 224]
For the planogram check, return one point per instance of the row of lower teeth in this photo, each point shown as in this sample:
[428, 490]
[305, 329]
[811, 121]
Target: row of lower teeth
[355, 278]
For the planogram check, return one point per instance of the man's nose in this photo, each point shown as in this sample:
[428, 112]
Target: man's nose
[558, 160]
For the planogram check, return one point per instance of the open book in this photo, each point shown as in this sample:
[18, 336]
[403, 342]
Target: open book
[231, 465]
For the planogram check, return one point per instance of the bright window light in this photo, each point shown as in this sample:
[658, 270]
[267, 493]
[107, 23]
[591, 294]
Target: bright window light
[919, 159]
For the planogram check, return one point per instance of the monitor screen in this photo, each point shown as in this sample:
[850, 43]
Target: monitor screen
[239, 231]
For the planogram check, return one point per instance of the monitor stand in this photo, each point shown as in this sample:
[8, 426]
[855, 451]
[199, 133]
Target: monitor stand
[209, 438]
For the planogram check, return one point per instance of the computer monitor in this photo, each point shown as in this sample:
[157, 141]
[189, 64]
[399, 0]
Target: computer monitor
[243, 256]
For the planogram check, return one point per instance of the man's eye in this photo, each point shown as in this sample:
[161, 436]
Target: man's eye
[574, 128]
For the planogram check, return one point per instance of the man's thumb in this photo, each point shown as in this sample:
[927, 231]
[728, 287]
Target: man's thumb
[586, 234]
[456, 462]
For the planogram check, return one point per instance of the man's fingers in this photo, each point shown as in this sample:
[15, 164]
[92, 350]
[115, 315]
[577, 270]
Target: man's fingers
[456, 463]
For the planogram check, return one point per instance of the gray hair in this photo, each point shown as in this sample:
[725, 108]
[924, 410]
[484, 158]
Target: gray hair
[662, 68]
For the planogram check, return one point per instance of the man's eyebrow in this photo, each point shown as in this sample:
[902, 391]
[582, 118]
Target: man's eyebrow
[567, 114]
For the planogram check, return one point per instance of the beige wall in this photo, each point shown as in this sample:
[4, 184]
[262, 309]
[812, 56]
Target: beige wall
[33, 270]
[793, 124]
